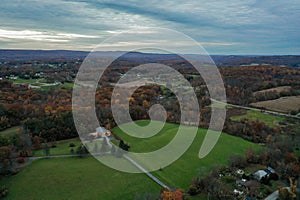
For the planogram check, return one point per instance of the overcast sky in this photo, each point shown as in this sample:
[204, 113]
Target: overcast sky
[222, 27]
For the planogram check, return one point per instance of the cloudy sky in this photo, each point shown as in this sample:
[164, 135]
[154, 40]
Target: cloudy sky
[221, 27]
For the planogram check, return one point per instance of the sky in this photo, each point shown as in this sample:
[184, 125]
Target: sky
[269, 27]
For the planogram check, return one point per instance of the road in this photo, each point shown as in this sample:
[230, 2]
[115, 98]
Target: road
[256, 109]
[156, 180]
[273, 196]
[151, 176]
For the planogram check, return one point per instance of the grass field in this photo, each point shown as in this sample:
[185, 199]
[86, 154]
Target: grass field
[62, 148]
[76, 179]
[41, 83]
[65, 85]
[10, 131]
[283, 104]
[27, 81]
[270, 120]
[278, 90]
[86, 178]
[181, 172]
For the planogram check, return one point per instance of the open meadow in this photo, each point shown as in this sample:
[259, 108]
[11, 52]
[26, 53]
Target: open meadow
[86, 178]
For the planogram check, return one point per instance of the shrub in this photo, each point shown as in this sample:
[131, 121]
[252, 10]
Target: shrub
[72, 151]
[24, 153]
[294, 112]
[3, 191]
[53, 145]
[193, 190]
[237, 161]
[228, 179]
[268, 190]
[21, 160]
[72, 145]
[81, 150]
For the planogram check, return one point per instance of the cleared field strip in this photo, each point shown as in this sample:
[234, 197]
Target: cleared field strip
[277, 90]
[283, 104]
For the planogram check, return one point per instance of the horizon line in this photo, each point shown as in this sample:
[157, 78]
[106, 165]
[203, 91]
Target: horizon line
[159, 53]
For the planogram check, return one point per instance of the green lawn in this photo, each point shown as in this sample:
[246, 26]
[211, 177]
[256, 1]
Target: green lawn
[40, 81]
[27, 81]
[10, 131]
[65, 85]
[62, 148]
[219, 105]
[181, 172]
[270, 120]
[76, 179]
[86, 178]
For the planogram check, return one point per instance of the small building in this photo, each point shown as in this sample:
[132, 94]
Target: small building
[259, 175]
[266, 175]
[100, 133]
[238, 192]
[12, 77]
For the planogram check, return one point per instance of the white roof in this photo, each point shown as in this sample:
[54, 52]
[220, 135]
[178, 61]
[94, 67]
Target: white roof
[101, 129]
[260, 173]
[93, 134]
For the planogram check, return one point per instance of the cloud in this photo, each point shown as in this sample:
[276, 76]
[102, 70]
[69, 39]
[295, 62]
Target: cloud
[40, 36]
[247, 26]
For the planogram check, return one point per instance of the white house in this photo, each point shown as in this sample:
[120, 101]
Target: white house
[100, 133]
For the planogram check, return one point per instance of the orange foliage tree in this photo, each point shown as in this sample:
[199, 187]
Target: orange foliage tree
[172, 195]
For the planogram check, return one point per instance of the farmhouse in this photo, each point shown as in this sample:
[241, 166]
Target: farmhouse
[266, 174]
[100, 133]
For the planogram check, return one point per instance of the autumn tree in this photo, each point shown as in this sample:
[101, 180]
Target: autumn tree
[36, 142]
[172, 195]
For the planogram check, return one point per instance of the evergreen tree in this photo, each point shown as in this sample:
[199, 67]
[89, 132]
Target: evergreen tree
[113, 150]
[47, 150]
[96, 148]
[104, 146]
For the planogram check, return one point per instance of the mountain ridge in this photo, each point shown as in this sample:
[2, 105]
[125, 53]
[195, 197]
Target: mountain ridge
[220, 60]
